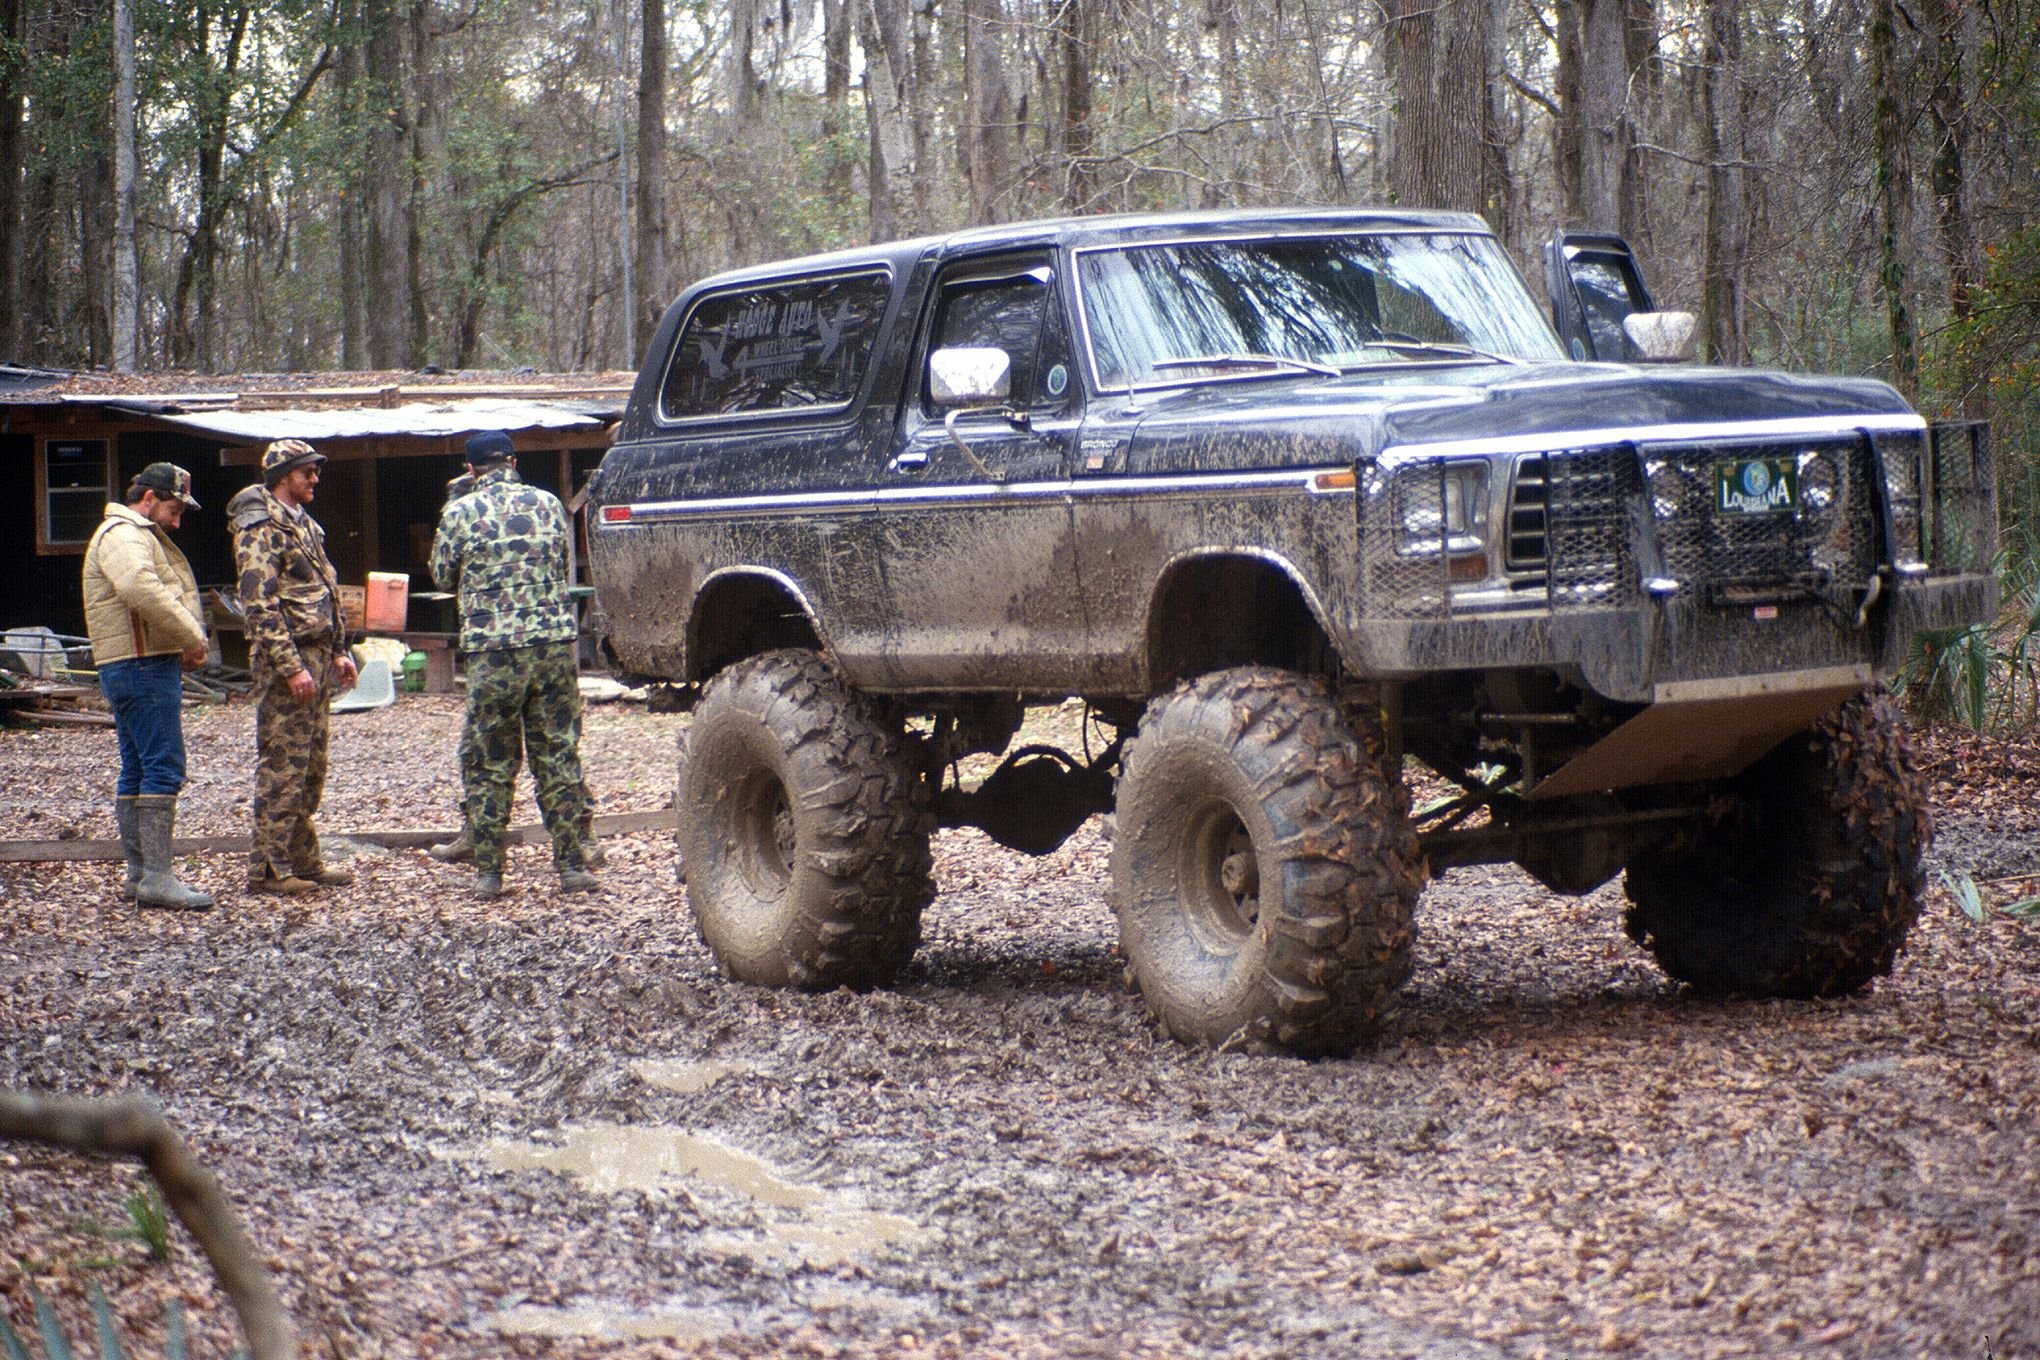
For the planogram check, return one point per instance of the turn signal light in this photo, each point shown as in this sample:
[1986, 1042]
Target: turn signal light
[616, 514]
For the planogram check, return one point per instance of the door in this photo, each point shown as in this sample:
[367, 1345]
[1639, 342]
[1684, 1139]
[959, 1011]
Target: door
[1594, 284]
[974, 515]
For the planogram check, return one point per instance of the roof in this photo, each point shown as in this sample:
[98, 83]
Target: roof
[1111, 228]
[254, 409]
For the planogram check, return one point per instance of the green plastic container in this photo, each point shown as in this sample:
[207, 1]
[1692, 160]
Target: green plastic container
[414, 672]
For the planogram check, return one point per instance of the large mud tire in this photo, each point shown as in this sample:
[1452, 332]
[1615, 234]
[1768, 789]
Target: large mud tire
[1264, 869]
[1805, 879]
[803, 836]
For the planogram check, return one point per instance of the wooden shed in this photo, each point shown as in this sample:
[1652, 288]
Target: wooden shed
[70, 442]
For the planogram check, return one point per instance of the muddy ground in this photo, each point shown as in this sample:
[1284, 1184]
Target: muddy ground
[544, 1126]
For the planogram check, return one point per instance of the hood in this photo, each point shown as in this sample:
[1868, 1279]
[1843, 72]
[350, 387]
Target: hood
[1293, 422]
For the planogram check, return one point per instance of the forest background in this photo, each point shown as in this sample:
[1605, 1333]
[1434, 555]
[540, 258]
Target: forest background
[303, 185]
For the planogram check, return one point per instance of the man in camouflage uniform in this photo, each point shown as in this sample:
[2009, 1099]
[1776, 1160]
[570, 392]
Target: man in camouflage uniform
[503, 549]
[290, 603]
[462, 847]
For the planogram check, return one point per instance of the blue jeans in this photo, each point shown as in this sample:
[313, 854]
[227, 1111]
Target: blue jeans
[147, 695]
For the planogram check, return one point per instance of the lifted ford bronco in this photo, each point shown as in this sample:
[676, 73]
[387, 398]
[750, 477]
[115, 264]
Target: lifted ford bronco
[1288, 499]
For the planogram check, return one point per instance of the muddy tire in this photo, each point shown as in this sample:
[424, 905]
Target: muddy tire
[1805, 879]
[803, 836]
[1264, 870]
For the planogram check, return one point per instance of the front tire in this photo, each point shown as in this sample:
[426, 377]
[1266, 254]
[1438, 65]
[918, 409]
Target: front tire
[1264, 869]
[1805, 880]
[803, 836]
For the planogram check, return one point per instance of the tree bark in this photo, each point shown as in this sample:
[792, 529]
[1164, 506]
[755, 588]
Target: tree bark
[1952, 28]
[1608, 191]
[1893, 197]
[354, 350]
[988, 109]
[1724, 146]
[126, 298]
[654, 288]
[888, 74]
[1077, 34]
[1568, 129]
[1436, 52]
[387, 185]
[13, 101]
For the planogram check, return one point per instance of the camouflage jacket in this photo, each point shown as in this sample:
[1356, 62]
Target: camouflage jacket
[502, 548]
[289, 590]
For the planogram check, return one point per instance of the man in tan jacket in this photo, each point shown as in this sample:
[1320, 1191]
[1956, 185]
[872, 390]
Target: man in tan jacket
[142, 613]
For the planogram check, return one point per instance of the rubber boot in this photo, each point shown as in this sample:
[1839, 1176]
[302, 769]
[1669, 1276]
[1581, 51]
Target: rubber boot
[155, 819]
[130, 842]
[460, 848]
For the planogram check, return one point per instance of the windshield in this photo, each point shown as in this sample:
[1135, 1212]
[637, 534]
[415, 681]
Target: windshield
[1343, 301]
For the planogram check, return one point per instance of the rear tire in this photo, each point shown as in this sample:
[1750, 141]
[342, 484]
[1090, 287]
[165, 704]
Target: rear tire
[803, 836]
[1264, 868]
[1806, 878]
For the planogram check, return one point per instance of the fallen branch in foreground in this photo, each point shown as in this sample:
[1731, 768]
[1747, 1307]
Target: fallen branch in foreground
[133, 1127]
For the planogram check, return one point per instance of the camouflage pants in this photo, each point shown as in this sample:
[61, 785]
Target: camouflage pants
[524, 702]
[469, 753]
[290, 765]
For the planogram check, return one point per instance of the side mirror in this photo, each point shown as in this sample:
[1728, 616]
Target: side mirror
[1660, 337]
[969, 376]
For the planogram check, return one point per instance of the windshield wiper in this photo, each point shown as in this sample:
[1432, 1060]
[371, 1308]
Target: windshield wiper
[1245, 361]
[1413, 346]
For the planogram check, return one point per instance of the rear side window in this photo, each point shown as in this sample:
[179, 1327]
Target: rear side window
[797, 346]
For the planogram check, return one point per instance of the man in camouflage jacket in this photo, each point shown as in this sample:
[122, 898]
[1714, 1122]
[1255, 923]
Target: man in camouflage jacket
[290, 606]
[503, 550]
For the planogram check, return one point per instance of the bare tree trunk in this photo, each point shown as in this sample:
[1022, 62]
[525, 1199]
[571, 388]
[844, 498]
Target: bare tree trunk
[837, 24]
[653, 285]
[354, 351]
[388, 186]
[13, 99]
[1078, 34]
[1608, 189]
[988, 108]
[126, 303]
[888, 74]
[1568, 128]
[920, 116]
[1893, 197]
[1724, 145]
[1952, 24]
[1436, 54]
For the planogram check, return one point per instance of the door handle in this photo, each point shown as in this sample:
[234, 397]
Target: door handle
[913, 460]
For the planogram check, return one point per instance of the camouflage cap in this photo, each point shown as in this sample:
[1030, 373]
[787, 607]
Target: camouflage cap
[286, 455]
[167, 480]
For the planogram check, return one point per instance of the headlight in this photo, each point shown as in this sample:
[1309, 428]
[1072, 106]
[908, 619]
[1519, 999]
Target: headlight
[1442, 507]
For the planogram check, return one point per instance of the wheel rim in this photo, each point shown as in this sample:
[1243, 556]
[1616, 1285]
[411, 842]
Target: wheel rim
[1221, 878]
[763, 835]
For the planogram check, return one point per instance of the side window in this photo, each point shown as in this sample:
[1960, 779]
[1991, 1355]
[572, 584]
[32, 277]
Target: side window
[1014, 312]
[781, 347]
[1605, 298]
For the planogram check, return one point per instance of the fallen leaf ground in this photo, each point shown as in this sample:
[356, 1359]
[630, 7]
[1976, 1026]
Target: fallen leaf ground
[544, 1126]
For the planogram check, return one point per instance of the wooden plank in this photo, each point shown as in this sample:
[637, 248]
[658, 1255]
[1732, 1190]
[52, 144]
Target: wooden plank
[82, 850]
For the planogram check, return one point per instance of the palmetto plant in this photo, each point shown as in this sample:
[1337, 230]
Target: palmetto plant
[56, 1346]
[1987, 675]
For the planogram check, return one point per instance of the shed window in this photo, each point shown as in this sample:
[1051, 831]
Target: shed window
[799, 346]
[76, 487]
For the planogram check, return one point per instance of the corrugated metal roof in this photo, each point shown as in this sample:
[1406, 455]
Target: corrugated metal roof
[418, 420]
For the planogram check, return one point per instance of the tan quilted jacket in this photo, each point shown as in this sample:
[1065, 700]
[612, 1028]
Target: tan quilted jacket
[141, 598]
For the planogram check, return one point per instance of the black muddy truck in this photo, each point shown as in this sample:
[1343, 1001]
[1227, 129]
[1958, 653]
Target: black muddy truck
[1287, 499]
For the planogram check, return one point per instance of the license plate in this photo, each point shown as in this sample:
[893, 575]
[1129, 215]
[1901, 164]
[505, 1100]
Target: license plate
[1756, 486]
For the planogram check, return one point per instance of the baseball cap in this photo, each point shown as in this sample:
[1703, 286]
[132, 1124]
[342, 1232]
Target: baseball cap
[168, 481]
[487, 446]
[284, 455]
